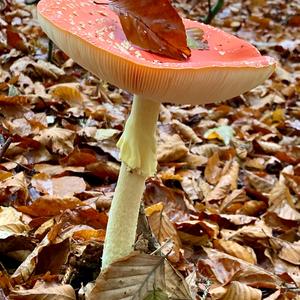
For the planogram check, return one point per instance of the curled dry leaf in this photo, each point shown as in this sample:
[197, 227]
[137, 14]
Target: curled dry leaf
[226, 183]
[213, 171]
[238, 290]
[287, 251]
[261, 184]
[14, 185]
[165, 36]
[52, 170]
[225, 268]
[68, 92]
[13, 100]
[65, 186]
[47, 206]
[235, 249]
[11, 222]
[163, 229]
[176, 286]
[89, 234]
[171, 148]
[186, 132]
[44, 290]
[59, 139]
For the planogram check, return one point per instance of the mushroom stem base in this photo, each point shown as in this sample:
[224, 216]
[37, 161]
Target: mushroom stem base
[138, 154]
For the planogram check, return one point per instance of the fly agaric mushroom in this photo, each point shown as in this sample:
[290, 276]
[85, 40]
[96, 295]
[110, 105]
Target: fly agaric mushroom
[91, 34]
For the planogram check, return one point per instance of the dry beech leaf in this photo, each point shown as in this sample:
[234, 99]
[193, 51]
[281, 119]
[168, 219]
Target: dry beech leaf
[68, 92]
[235, 249]
[261, 184]
[11, 222]
[239, 219]
[15, 184]
[13, 100]
[285, 211]
[186, 132]
[131, 277]
[65, 186]
[163, 229]
[59, 139]
[293, 182]
[144, 25]
[26, 269]
[45, 291]
[269, 147]
[171, 148]
[176, 285]
[237, 196]
[190, 184]
[226, 268]
[226, 183]
[47, 206]
[89, 234]
[52, 170]
[135, 276]
[213, 171]
[238, 290]
[287, 251]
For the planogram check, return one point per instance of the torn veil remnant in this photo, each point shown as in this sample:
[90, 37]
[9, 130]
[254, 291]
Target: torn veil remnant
[92, 35]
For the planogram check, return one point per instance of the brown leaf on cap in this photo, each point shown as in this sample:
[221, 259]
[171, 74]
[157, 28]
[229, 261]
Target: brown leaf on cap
[146, 26]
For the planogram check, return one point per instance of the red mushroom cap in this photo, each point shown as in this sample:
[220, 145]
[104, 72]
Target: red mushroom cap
[91, 34]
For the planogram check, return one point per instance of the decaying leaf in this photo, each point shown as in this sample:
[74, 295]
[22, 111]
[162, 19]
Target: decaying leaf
[166, 36]
[171, 148]
[164, 230]
[136, 276]
[59, 139]
[43, 290]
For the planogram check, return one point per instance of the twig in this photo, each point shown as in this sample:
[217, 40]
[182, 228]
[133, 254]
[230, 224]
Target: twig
[50, 51]
[213, 11]
[5, 147]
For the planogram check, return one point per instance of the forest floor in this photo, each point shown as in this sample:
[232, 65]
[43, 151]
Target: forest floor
[224, 205]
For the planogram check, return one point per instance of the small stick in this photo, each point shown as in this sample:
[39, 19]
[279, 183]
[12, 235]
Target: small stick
[213, 11]
[50, 51]
[5, 147]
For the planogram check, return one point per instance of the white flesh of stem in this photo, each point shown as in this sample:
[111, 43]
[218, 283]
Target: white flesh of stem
[138, 154]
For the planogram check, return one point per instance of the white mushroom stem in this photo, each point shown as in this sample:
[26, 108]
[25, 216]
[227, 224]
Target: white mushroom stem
[138, 153]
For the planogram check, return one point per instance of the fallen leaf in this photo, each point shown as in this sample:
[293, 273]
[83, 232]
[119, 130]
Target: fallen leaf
[235, 249]
[212, 170]
[59, 139]
[223, 133]
[166, 36]
[238, 290]
[163, 229]
[50, 206]
[44, 290]
[171, 148]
